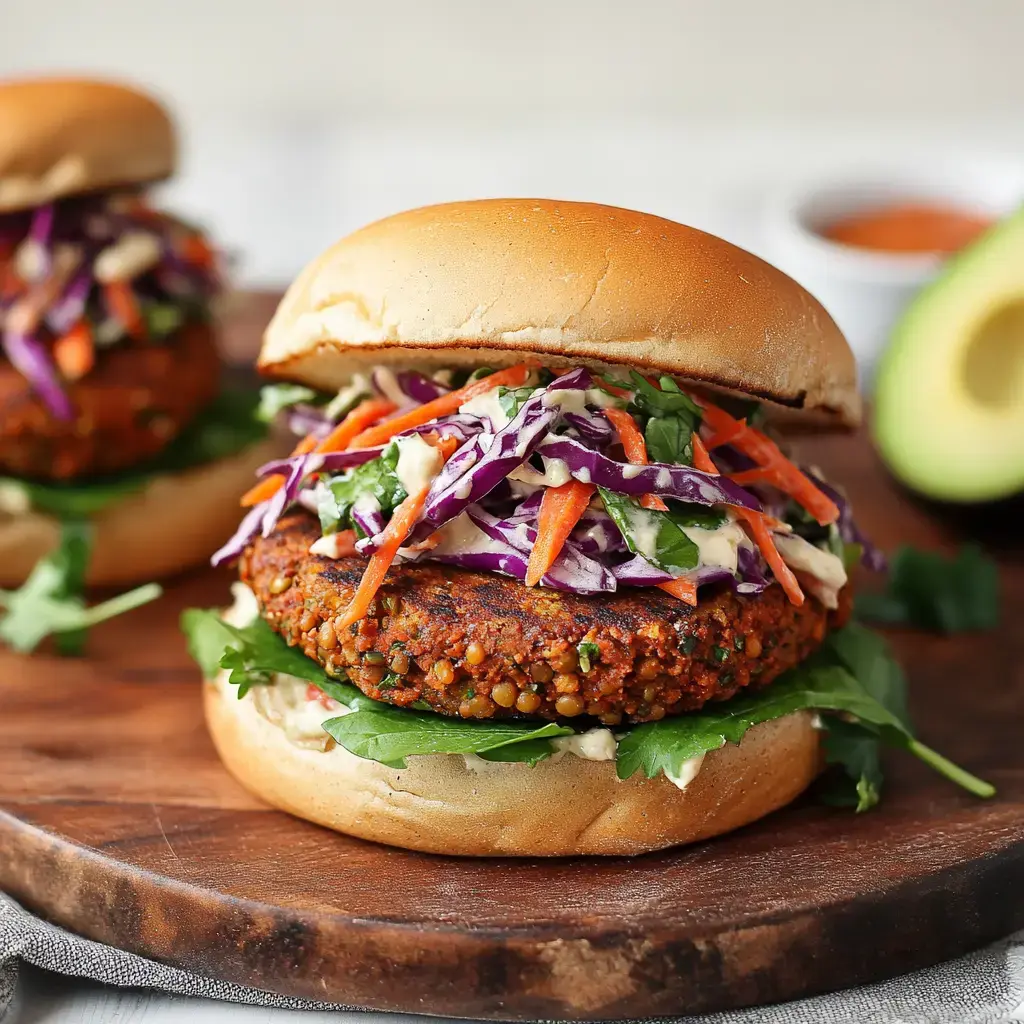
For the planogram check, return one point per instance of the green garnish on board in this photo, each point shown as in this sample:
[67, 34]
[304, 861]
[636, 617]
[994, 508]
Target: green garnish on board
[927, 590]
[50, 602]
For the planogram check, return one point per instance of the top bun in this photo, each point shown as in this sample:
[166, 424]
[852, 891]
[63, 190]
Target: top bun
[490, 281]
[63, 136]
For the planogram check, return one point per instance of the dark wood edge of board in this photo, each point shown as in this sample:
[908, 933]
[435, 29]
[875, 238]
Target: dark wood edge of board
[509, 973]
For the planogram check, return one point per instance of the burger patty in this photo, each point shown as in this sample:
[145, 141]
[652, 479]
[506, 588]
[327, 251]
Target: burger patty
[136, 400]
[480, 645]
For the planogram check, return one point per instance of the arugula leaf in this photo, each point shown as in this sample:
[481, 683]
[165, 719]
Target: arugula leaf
[651, 533]
[825, 682]
[251, 654]
[857, 752]
[669, 401]
[377, 477]
[927, 590]
[276, 397]
[670, 439]
[588, 654]
[225, 427]
[50, 600]
[748, 409]
[872, 706]
[665, 745]
[390, 735]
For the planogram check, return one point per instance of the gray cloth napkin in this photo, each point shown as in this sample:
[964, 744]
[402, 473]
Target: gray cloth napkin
[982, 988]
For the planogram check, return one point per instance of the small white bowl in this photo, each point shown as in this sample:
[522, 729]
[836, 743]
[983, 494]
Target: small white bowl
[865, 291]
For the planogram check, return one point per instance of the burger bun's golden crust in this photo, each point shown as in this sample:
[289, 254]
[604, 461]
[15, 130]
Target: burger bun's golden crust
[176, 522]
[563, 806]
[490, 282]
[65, 136]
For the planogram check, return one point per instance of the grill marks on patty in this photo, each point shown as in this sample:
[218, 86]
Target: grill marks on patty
[481, 645]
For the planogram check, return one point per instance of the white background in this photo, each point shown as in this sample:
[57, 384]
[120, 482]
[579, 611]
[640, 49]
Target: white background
[303, 119]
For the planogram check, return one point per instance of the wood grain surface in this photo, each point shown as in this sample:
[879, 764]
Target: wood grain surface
[117, 822]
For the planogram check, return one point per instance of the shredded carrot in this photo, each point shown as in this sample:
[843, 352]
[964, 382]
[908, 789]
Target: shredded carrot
[778, 470]
[445, 405]
[560, 511]
[635, 447]
[613, 389]
[684, 589]
[719, 438]
[124, 307]
[701, 458]
[446, 445]
[345, 543]
[760, 529]
[632, 440]
[362, 416]
[394, 535]
[194, 249]
[74, 353]
[337, 440]
[758, 524]
[269, 486]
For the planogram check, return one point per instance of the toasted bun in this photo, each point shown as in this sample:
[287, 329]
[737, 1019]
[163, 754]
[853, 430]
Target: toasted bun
[175, 523]
[489, 282]
[563, 806]
[63, 136]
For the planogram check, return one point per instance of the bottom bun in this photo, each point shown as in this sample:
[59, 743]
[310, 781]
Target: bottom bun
[563, 806]
[175, 522]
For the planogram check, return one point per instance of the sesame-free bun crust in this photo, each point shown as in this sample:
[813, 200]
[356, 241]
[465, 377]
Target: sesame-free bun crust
[176, 522]
[561, 807]
[63, 136]
[488, 282]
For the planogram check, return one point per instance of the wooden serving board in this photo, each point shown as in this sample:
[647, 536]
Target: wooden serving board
[117, 822]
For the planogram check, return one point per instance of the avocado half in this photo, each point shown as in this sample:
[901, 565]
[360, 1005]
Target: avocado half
[949, 393]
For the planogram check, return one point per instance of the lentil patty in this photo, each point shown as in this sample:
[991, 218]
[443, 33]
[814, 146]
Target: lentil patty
[481, 645]
[135, 400]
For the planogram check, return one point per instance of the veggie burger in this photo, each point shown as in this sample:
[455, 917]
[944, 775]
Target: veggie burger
[118, 446]
[538, 579]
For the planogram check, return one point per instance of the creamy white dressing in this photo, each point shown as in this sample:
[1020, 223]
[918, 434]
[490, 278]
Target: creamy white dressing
[326, 546]
[31, 262]
[132, 254]
[688, 771]
[244, 609]
[487, 407]
[556, 472]
[577, 401]
[418, 463]
[593, 745]
[718, 547]
[461, 535]
[284, 701]
[826, 568]
[644, 531]
[358, 387]
[387, 385]
[14, 498]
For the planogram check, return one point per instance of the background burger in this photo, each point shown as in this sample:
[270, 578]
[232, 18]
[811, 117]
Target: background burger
[119, 447]
[535, 579]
